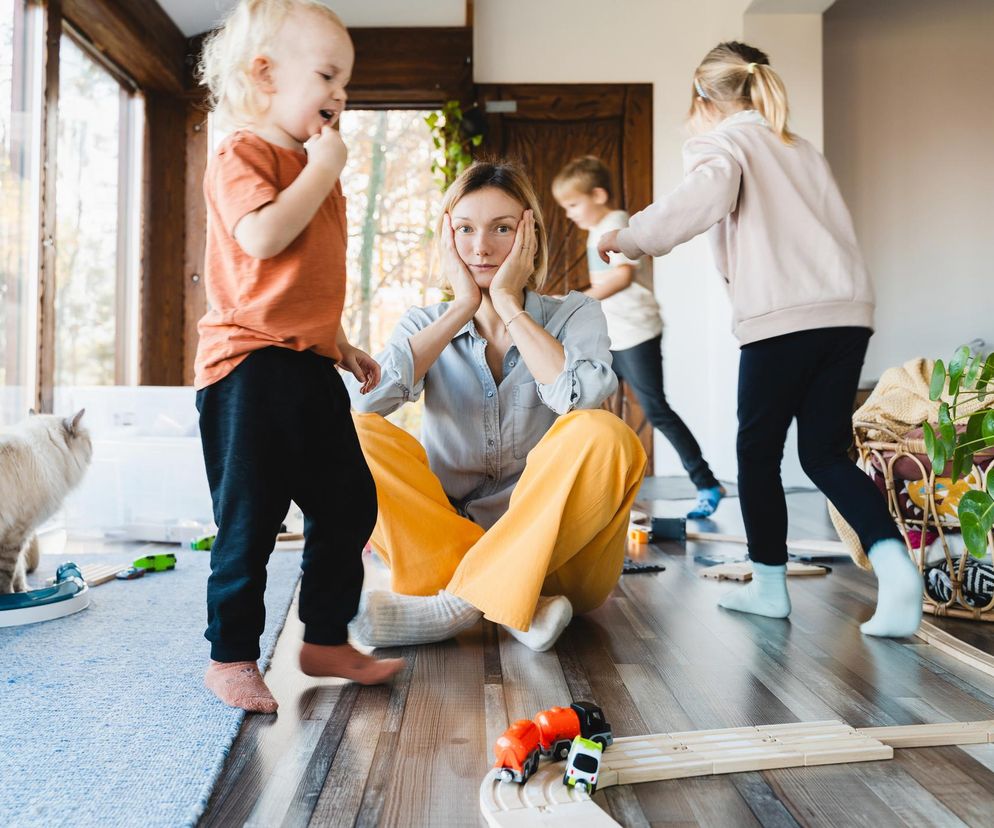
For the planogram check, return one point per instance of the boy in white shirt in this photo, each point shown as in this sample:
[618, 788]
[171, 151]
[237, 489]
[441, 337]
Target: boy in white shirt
[583, 189]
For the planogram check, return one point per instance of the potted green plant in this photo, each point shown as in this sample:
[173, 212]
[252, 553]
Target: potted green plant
[454, 135]
[968, 377]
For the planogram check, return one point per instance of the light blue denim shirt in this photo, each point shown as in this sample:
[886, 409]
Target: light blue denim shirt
[476, 432]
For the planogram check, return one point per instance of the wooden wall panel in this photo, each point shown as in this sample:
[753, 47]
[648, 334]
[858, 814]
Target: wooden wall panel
[47, 258]
[194, 295]
[400, 68]
[136, 35]
[163, 240]
[636, 160]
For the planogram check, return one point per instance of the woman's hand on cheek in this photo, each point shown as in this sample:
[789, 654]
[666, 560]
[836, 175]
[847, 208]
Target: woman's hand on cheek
[508, 285]
[456, 274]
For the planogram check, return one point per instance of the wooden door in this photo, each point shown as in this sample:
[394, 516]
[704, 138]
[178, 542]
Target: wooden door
[542, 127]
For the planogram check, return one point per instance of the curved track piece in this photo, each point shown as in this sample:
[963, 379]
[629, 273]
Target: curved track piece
[545, 801]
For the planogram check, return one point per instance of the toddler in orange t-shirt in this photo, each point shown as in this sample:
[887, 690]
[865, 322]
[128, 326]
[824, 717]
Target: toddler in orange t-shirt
[275, 418]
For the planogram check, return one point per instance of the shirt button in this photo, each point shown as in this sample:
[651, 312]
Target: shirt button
[511, 363]
[490, 393]
[490, 442]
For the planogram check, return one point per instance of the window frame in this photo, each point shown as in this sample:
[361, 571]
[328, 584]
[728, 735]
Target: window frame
[46, 22]
[127, 287]
[27, 83]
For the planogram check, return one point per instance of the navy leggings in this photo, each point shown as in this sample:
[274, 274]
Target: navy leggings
[641, 366]
[279, 427]
[813, 376]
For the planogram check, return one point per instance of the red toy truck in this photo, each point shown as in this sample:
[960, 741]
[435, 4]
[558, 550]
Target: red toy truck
[550, 734]
[517, 751]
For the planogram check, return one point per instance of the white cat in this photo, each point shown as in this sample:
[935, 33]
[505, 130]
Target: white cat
[41, 459]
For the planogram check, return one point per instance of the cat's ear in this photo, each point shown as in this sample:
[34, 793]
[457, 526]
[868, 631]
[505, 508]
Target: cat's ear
[72, 423]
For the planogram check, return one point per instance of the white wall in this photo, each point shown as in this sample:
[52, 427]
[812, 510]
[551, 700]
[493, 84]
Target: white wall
[648, 41]
[909, 116]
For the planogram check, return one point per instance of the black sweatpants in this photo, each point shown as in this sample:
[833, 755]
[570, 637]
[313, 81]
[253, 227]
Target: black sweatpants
[279, 427]
[813, 376]
[641, 366]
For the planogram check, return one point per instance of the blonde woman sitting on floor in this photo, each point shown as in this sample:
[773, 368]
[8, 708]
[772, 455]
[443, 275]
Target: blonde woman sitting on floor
[516, 505]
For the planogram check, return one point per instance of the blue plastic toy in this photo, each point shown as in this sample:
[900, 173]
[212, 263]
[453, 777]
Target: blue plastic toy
[69, 594]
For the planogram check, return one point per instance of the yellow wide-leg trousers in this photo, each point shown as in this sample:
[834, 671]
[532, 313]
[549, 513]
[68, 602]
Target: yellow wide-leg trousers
[564, 532]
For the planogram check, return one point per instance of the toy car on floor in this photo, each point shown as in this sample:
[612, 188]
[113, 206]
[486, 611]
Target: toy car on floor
[583, 764]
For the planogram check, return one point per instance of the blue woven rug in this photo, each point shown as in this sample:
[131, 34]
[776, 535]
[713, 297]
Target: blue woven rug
[104, 717]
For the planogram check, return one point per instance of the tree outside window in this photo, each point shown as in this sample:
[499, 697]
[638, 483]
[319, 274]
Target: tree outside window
[87, 220]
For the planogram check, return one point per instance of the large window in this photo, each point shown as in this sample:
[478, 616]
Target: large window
[96, 230]
[20, 83]
[95, 162]
[393, 201]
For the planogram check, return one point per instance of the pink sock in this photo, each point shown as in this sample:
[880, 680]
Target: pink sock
[239, 684]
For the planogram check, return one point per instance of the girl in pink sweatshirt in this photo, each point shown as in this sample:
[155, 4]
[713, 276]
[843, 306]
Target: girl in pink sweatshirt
[802, 308]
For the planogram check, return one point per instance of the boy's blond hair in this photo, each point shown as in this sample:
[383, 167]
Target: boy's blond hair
[226, 61]
[584, 174]
[510, 179]
[736, 73]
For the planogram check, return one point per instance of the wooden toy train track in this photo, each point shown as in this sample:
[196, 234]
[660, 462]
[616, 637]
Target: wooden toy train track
[545, 801]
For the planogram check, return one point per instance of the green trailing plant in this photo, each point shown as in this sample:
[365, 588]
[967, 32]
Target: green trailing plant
[450, 136]
[968, 377]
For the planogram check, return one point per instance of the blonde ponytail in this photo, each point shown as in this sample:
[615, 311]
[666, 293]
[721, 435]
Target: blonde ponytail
[769, 98]
[735, 74]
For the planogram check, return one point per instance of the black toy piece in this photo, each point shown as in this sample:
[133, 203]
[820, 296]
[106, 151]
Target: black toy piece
[664, 528]
[632, 567]
[592, 724]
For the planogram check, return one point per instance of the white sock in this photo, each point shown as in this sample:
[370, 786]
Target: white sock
[388, 619]
[552, 615]
[899, 591]
[766, 594]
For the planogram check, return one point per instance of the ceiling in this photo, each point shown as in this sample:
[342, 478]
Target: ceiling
[196, 16]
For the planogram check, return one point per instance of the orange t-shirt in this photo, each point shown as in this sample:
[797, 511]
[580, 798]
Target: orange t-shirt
[292, 300]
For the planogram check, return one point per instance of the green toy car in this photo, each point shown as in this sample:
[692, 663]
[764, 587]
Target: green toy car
[156, 563]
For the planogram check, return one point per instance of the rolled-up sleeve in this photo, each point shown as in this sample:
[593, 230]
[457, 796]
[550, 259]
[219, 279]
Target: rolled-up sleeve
[708, 193]
[397, 385]
[587, 378]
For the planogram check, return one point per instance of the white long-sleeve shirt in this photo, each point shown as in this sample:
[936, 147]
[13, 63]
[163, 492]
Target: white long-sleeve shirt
[781, 235]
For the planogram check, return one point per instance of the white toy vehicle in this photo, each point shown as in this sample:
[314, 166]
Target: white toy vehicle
[583, 764]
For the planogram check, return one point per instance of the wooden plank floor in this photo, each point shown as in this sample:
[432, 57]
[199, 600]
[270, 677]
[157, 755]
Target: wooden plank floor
[658, 656]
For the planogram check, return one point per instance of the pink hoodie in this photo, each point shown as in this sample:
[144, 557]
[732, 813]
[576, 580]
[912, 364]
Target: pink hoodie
[781, 234]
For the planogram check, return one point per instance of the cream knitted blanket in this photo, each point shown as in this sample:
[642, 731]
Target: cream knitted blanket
[899, 403]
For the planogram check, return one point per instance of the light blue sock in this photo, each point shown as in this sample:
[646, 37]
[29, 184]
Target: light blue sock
[766, 594]
[707, 502]
[899, 591]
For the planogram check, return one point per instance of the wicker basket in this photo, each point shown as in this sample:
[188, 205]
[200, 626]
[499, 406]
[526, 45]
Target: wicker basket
[884, 452]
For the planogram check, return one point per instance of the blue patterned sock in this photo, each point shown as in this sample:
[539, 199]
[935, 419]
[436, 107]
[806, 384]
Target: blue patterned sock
[899, 591]
[707, 502]
[766, 594]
